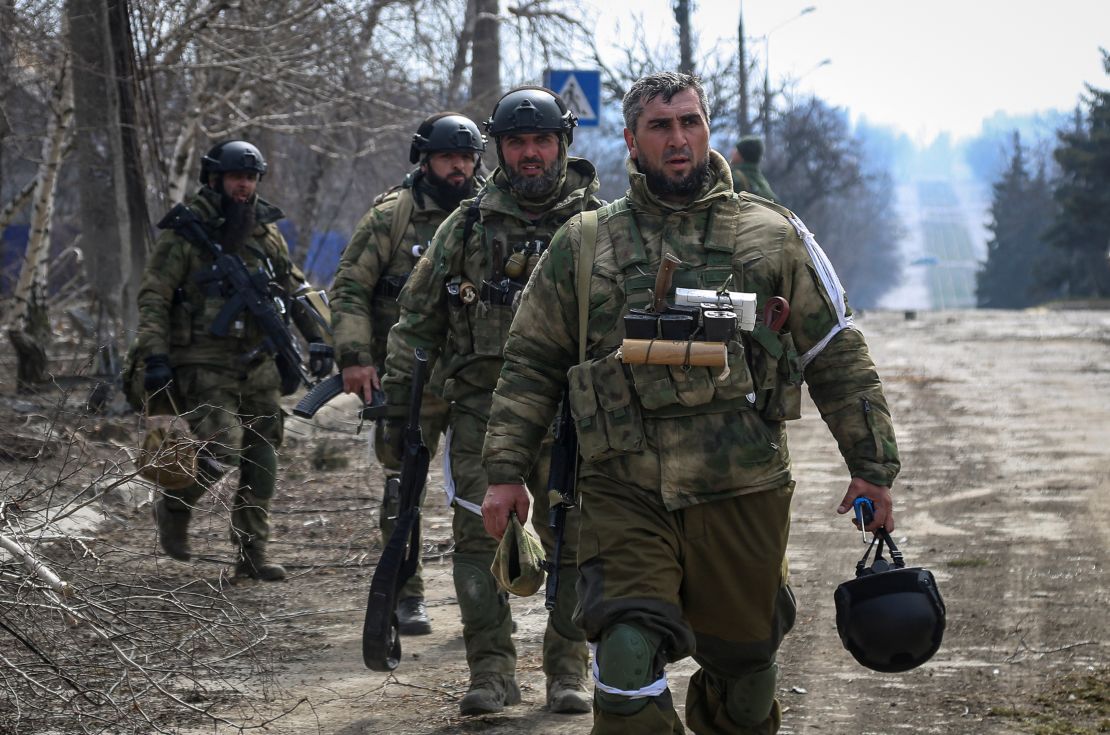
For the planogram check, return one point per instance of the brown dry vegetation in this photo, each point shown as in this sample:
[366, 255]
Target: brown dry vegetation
[1004, 432]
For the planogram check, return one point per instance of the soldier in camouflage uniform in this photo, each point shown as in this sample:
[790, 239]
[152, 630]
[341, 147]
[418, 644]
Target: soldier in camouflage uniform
[375, 264]
[685, 479]
[746, 174]
[227, 386]
[458, 304]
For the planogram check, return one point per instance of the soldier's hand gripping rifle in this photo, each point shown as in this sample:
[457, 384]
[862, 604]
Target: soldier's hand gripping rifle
[246, 291]
[381, 640]
[561, 482]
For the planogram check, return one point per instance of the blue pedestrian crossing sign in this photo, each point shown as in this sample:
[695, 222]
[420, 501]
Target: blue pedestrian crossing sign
[581, 90]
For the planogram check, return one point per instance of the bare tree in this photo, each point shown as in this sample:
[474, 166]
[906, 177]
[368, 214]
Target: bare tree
[28, 326]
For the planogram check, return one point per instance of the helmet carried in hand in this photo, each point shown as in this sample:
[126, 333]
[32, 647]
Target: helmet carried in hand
[890, 618]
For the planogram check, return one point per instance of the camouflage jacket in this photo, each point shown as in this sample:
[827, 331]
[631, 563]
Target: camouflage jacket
[373, 269]
[466, 340]
[749, 177]
[696, 434]
[177, 306]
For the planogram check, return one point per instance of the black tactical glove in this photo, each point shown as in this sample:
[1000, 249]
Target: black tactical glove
[321, 359]
[157, 374]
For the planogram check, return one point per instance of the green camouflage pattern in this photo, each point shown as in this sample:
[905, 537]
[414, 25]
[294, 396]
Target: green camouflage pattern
[464, 347]
[684, 434]
[662, 571]
[239, 421]
[749, 177]
[465, 344]
[178, 326]
[362, 313]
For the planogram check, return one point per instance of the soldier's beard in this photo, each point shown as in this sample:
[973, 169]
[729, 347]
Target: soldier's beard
[662, 185]
[534, 187]
[446, 194]
[238, 221]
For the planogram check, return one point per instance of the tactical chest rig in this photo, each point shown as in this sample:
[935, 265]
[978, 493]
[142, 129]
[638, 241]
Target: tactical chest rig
[758, 373]
[482, 299]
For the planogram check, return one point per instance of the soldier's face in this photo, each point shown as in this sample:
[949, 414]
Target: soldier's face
[454, 167]
[671, 143]
[239, 186]
[530, 155]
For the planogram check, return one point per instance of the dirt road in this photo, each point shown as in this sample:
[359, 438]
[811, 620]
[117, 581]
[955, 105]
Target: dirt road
[1004, 430]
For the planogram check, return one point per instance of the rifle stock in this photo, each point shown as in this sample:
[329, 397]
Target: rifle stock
[561, 483]
[381, 641]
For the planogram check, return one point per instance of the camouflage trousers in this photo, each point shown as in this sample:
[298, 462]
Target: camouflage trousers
[239, 420]
[709, 581]
[486, 616]
[433, 422]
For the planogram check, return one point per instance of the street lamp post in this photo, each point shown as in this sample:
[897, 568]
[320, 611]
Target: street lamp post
[766, 116]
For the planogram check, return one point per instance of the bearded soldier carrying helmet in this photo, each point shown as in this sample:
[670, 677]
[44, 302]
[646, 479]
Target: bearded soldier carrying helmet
[457, 305]
[685, 480]
[386, 244]
[217, 362]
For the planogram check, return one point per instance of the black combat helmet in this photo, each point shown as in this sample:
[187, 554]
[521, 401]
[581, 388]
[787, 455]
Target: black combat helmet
[446, 131]
[532, 110]
[231, 155]
[890, 617]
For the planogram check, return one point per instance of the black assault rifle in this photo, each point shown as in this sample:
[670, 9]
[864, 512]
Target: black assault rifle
[381, 640]
[561, 481]
[245, 291]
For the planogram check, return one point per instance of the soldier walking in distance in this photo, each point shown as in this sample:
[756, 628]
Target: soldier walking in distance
[388, 241]
[746, 172]
[227, 386]
[457, 305]
[685, 479]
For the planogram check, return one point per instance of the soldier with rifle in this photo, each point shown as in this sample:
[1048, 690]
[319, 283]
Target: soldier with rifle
[214, 336]
[458, 304]
[386, 244]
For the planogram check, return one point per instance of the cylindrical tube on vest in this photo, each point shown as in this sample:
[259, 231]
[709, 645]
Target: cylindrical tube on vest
[667, 352]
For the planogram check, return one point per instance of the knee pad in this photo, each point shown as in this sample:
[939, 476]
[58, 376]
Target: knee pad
[750, 698]
[625, 660]
[480, 604]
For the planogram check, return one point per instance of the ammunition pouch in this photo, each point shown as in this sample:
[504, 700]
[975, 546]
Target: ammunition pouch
[661, 386]
[482, 326]
[606, 415]
[777, 374]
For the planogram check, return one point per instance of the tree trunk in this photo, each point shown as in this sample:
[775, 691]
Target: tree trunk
[485, 77]
[462, 45]
[685, 44]
[29, 329]
[113, 210]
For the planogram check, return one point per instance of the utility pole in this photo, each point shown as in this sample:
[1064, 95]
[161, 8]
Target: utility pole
[742, 123]
[685, 45]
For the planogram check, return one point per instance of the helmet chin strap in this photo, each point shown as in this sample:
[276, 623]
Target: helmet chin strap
[882, 536]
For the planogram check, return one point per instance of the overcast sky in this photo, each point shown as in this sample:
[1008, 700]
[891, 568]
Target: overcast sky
[924, 66]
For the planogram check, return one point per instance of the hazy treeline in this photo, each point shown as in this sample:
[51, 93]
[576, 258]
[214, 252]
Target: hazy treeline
[1050, 217]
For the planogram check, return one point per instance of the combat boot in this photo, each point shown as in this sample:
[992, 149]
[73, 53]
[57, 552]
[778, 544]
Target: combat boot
[567, 694]
[489, 693]
[173, 527]
[412, 616]
[252, 563]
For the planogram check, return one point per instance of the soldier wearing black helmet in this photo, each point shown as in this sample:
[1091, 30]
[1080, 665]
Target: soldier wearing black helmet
[458, 304]
[386, 244]
[227, 386]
